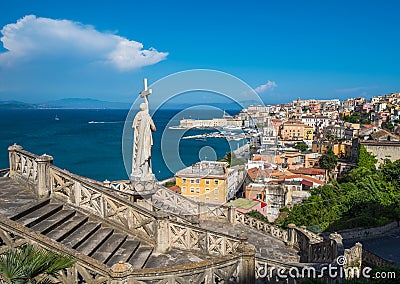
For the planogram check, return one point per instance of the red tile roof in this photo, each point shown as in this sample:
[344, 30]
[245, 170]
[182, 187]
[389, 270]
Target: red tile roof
[175, 188]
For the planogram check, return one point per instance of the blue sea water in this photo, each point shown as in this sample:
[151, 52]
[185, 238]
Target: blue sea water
[95, 149]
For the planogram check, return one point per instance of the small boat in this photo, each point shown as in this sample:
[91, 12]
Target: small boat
[178, 127]
[57, 118]
[232, 127]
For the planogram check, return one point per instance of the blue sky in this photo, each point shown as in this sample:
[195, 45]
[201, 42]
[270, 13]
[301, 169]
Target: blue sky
[311, 49]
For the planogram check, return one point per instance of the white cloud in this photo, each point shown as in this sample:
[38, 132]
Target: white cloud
[270, 85]
[43, 38]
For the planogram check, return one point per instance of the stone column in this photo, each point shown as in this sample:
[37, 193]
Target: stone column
[291, 235]
[11, 156]
[162, 232]
[202, 210]
[336, 245]
[231, 214]
[247, 270]
[43, 188]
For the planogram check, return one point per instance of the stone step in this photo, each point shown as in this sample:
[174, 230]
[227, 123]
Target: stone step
[28, 208]
[124, 253]
[108, 249]
[39, 215]
[81, 234]
[53, 221]
[140, 257]
[67, 228]
[95, 241]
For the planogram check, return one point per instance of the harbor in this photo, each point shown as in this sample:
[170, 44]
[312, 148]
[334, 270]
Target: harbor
[227, 136]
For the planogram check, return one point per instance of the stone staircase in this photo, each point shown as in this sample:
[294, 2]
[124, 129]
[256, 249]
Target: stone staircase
[83, 233]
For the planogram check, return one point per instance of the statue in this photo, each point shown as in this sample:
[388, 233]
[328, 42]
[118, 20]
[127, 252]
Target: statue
[142, 126]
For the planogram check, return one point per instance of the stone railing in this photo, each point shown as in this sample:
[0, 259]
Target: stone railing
[120, 185]
[237, 267]
[233, 216]
[24, 165]
[313, 249]
[168, 197]
[373, 260]
[5, 173]
[353, 256]
[362, 233]
[188, 237]
[314, 238]
[100, 201]
[163, 230]
[262, 226]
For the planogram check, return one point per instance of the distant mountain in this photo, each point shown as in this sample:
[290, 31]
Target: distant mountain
[16, 105]
[78, 103]
[223, 106]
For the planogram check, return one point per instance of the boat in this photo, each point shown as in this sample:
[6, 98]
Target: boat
[56, 118]
[178, 127]
[232, 127]
[201, 139]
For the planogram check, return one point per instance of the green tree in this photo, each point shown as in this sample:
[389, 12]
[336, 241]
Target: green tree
[366, 159]
[28, 264]
[329, 160]
[301, 146]
[232, 160]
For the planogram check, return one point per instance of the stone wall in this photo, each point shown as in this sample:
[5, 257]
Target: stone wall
[383, 150]
[361, 233]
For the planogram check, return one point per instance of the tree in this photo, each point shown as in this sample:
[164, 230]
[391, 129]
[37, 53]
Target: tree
[366, 159]
[232, 160]
[28, 264]
[301, 146]
[329, 160]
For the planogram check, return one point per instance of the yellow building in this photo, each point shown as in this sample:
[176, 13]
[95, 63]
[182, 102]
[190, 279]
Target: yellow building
[206, 181]
[340, 149]
[296, 130]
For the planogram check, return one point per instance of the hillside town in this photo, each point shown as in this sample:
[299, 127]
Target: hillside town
[282, 161]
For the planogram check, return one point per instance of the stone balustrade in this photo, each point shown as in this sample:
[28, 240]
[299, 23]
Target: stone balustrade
[93, 197]
[98, 200]
[5, 173]
[232, 267]
[373, 260]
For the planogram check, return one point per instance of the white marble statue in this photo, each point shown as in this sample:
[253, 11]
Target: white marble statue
[142, 126]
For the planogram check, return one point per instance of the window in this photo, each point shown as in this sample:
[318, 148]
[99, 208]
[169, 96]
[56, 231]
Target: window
[183, 188]
[216, 199]
[207, 189]
[216, 191]
[198, 180]
[207, 198]
[183, 180]
[215, 181]
[198, 189]
[192, 181]
[207, 181]
[192, 189]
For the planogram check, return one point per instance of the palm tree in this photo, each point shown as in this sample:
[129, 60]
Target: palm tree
[28, 264]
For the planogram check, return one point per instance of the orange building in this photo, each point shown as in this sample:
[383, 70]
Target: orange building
[296, 160]
[341, 149]
[295, 130]
[206, 181]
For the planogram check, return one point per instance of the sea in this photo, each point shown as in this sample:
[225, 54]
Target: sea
[88, 142]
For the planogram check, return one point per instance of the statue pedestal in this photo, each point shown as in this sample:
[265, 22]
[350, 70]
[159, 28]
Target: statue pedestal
[138, 178]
